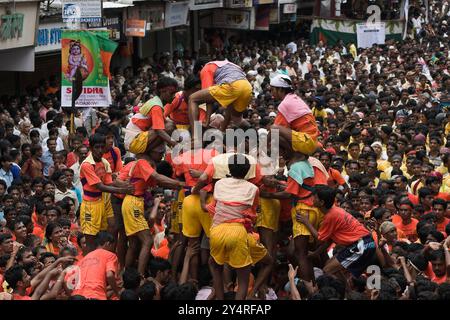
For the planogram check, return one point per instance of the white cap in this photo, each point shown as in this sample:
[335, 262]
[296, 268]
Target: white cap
[281, 81]
[252, 73]
[272, 114]
[329, 111]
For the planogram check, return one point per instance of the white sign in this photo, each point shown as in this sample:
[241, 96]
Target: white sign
[205, 4]
[370, 34]
[176, 14]
[81, 10]
[239, 3]
[290, 8]
[231, 19]
[48, 37]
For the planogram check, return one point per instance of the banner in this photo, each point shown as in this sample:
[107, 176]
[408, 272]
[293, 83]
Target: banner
[370, 34]
[81, 10]
[290, 8]
[231, 19]
[91, 51]
[176, 14]
[239, 3]
[205, 4]
[135, 28]
[49, 37]
[262, 18]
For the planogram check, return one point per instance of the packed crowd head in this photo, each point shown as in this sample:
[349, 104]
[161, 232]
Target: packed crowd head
[378, 162]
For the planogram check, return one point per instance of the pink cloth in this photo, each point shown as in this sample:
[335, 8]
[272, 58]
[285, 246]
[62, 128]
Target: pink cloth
[293, 107]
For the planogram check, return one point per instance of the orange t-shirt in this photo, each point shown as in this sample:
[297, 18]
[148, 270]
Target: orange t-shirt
[305, 196]
[90, 176]
[306, 124]
[92, 273]
[341, 227]
[207, 75]
[72, 158]
[335, 178]
[117, 165]
[192, 159]
[140, 177]
[154, 120]
[441, 226]
[39, 231]
[177, 110]
[437, 279]
[409, 230]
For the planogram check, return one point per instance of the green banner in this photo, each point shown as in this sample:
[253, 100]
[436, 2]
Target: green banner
[91, 52]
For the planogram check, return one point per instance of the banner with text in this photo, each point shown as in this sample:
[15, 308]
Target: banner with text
[82, 10]
[368, 34]
[91, 51]
[176, 14]
[231, 19]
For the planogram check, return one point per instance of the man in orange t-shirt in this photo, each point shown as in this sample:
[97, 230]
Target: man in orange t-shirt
[439, 266]
[406, 224]
[341, 228]
[97, 270]
[177, 110]
[299, 189]
[439, 209]
[96, 178]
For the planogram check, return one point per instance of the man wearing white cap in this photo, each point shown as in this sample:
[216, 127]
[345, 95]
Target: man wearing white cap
[298, 139]
[297, 125]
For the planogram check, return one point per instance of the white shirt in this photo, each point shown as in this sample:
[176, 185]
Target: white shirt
[59, 195]
[293, 46]
[59, 144]
[7, 177]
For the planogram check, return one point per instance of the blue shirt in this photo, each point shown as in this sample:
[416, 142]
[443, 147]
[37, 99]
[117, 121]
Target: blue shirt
[47, 160]
[6, 176]
[15, 170]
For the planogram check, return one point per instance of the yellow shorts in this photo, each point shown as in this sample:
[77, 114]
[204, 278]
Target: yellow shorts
[230, 243]
[133, 215]
[93, 217]
[176, 213]
[108, 206]
[139, 143]
[237, 93]
[302, 142]
[193, 217]
[315, 218]
[268, 213]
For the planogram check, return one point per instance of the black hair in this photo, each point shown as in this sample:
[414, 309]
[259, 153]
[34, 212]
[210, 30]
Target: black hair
[199, 64]
[326, 194]
[103, 237]
[50, 228]
[46, 255]
[166, 82]
[157, 264]
[191, 82]
[131, 278]
[238, 165]
[4, 237]
[14, 275]
[129, 295]
[439, 201]
[186, 291]
[97, 139]
[147, 291]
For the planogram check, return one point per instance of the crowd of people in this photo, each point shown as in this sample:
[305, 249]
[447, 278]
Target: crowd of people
[354, 206]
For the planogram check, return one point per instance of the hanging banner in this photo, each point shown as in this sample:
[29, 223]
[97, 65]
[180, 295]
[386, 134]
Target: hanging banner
[368, 34]
[49, 37]
[82, 10]
[274, 17]
[290, 8]
[262, 18]
[239, 3]
[135, 28]
[231, 19]
[153, 15]
[176, 14]
[205, 4]
[91, 52]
